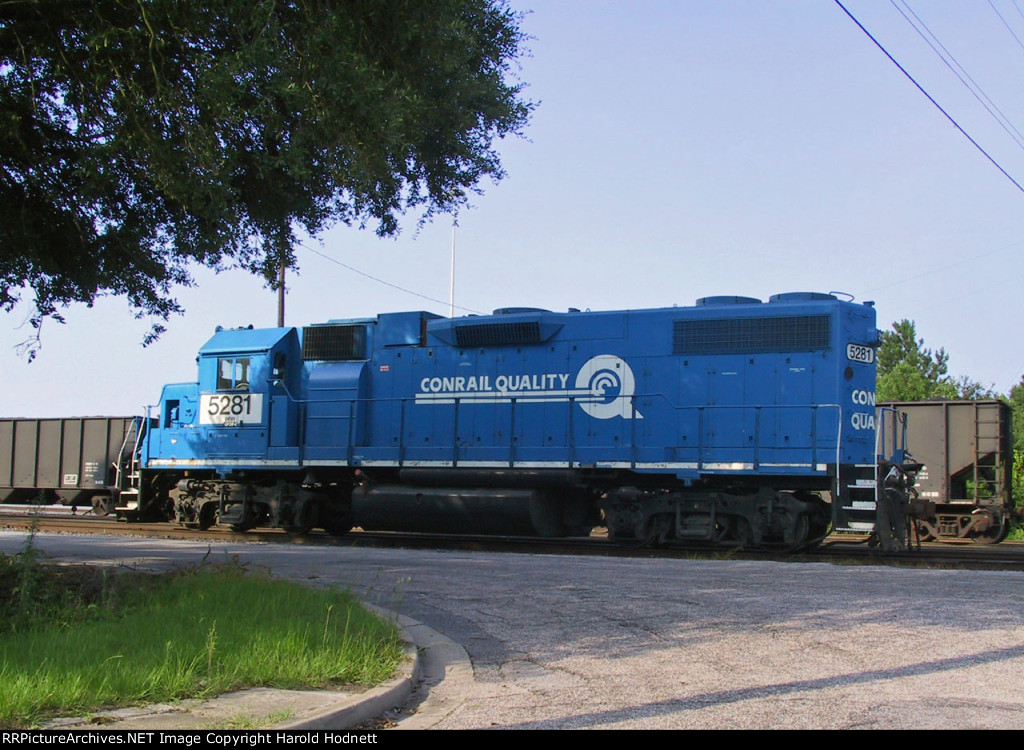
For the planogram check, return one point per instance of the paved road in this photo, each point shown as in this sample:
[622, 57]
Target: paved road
[566, 642]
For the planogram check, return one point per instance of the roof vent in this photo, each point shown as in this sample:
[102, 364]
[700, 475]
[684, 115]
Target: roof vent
[726, 300]
[330, 343]
[498, 334]
[802, 297]
[519, 310]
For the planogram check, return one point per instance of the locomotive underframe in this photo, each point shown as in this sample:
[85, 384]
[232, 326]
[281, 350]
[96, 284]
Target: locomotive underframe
[637, 509]
[756, 517]
[242, 502]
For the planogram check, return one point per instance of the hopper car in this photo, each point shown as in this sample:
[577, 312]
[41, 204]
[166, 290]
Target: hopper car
[78, 461]
[964, 486]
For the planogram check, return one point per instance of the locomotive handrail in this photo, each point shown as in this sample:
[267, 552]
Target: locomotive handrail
[813, 407]
[899, 442]
[136, 434]
[300, 417]
[145, 449]
[353, 441]
[284, 386]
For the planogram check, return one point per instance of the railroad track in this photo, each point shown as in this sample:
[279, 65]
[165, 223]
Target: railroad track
[854, 550]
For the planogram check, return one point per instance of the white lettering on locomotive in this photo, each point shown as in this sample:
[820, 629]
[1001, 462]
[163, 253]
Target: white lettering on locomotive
[603, 388]
[863, 398]
[862, 421]
[860, 353]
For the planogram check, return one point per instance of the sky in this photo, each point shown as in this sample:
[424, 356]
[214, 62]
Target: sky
[679, 149]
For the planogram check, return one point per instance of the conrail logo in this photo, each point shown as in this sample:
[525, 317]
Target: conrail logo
[603, 388]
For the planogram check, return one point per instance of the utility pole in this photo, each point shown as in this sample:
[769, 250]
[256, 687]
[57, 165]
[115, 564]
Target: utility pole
[451, 284]
[280, 297]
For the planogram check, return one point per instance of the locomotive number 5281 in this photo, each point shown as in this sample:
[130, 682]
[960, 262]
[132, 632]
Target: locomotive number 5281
[229, 408]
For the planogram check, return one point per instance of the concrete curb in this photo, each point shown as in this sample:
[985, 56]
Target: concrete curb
[407, 701]
[414, 699]
[375, 702]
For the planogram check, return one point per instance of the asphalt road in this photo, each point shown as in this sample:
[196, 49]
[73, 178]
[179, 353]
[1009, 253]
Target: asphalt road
[586, 642]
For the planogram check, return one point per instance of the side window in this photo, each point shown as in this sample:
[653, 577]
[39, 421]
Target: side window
[225, 374]
[233, 374]
[170, 412]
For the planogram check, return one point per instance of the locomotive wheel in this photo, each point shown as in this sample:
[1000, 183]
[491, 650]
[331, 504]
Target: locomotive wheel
[644, 540]
[207, 516]
[337, 525]
[819, 529]
[801, 531]
[805, 534]
[818, 518]
[307, 518]
[743, 535]
[799, 534]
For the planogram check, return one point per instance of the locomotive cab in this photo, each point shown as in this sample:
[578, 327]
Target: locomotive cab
[224, 442]
[246, 378]
[240, 407]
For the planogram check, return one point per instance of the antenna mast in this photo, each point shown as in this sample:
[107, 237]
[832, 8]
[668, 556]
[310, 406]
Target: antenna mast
[451, 283]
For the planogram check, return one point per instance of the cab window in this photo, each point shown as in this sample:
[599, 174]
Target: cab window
[233, 374]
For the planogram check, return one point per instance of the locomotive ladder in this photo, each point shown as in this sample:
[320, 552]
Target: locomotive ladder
[126, 469]
[866, 508]
[870, 505]
[858, 499]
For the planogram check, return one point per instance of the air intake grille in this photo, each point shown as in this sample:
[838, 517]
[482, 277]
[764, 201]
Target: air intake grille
[333, 343]
[750, 335]
[496, 334]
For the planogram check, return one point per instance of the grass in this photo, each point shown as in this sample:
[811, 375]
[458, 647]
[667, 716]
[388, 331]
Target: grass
[76, 639]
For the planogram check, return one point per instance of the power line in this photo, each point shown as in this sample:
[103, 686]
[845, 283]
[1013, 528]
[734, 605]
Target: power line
[959, 71]
[382, 281]
[1007, 25]
[946, 267]
[929, 96]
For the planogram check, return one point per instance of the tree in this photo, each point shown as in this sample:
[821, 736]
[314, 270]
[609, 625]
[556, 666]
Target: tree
[1016, 401]
[139, 138]
[907, 371]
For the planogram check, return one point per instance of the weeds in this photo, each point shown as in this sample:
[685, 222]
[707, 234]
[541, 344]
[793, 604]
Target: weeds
[79, 638]
[243, 721]
[33, 592]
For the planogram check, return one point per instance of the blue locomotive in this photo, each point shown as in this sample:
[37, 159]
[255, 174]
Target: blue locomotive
[734, 421]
